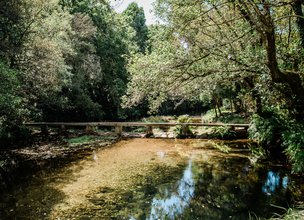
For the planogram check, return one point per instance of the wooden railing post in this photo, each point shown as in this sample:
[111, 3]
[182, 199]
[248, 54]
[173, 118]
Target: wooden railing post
[44, 130]
[62, 129]
[118, 130]
[88, 129]
[149, 131]
[185, 130]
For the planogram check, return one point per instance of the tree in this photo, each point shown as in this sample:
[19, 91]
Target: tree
[74, 101]
[12, 109]
[111, 46]
[252, 42]
[136, 18]
[12, 30]
[43, 56]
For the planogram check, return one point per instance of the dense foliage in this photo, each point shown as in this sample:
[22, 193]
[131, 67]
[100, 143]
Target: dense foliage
[63, 60]
[12, 109]
[252, 46]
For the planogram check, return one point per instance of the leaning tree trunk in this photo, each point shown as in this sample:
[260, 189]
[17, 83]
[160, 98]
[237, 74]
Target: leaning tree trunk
[254, 94]
[260, 19]
[297, 9]
[295, 90]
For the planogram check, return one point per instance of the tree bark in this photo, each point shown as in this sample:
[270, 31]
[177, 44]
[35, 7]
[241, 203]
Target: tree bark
[255, 95]
[295, 91]
[260, 19]
[231, 104]
[215, 109]
[297, 9]
[219, 109]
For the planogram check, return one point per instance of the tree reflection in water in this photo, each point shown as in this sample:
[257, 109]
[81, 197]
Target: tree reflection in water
[273, 183]
[172, 202]
[225, 188]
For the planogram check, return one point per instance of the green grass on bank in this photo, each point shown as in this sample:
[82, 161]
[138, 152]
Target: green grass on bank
[291, 214]
[208, 117]
[87, 139]
[225, 117]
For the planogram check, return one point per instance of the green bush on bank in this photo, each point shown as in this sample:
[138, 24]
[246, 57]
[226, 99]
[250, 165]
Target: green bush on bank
[266, 128]
[179, 129]
[224, 132]
[293, 142]
[225, 117]
[12, 109]
[279, 131]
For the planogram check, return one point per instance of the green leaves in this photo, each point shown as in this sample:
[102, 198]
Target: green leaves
[12, 109]
[293, 140]
[136, 18]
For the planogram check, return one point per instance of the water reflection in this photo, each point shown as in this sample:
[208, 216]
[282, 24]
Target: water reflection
[227, 188]
[285, 182]
[161, 154]
[273, 181]
[172, 202]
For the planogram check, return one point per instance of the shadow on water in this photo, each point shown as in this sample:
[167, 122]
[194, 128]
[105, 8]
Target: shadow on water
[37, 204]
[228, 189]
[35, 199]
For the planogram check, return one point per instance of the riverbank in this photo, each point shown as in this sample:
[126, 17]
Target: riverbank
[18, 165]
[56, 150]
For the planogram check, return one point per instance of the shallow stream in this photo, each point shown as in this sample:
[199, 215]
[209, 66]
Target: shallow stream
[157, 179]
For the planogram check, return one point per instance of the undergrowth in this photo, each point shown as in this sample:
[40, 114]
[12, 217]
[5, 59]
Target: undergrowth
[84, 139]
[224, 132]
[278, 131]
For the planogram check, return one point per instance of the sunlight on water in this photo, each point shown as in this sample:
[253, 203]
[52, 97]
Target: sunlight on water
[161, 154]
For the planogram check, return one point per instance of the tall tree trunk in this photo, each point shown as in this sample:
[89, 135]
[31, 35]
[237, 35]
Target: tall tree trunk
[295, 91]
[215, 107]
[255, 95]
[219, 109]
[231, 104]
[297, 9]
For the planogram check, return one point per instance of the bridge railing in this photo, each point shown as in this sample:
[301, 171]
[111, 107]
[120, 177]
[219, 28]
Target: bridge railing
[119, 125]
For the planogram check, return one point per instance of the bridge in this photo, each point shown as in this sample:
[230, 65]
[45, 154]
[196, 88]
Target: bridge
[89, 126]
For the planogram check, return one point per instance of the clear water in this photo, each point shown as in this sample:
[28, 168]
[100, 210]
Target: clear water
[231, 190]
[156, 179]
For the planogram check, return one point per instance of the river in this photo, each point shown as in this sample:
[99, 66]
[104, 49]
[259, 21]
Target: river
[156, 179]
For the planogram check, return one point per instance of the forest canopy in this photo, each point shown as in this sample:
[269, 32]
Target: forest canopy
[207, 44]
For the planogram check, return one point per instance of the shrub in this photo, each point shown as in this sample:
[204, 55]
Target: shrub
[224, 132]
[266, 128]
[272, 129]
[179, 129]
[293, 141]
[12, 110]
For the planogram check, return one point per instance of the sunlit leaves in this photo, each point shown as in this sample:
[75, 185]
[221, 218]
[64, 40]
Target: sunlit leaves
[46, 45]
[136, 18]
